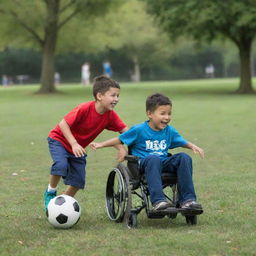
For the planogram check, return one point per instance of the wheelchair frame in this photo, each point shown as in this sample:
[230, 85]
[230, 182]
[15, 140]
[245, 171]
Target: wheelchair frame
[125, 183]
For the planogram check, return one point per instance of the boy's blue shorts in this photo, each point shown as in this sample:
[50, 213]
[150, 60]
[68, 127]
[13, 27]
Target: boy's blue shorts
[67, 165]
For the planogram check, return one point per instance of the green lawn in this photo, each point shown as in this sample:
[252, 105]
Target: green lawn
[206, 112]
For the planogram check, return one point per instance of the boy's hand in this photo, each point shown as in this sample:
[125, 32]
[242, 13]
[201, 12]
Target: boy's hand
[95, 145]
[78, 150]
[195, 149]
[198, 150]
[121, 153]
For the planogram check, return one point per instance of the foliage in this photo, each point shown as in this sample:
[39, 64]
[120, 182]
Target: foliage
[139, 36]
[90, 33]
[203, 112]
[187, 61]
[33, 22]
[127, 28]
[133, 31]
[43, 26]
[206, 20]
[15, 62]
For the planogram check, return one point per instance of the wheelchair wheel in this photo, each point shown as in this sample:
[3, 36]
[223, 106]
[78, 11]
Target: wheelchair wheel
[117, 194]
[191, 219]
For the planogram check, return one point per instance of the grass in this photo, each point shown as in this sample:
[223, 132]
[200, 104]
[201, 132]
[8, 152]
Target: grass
[206, 112]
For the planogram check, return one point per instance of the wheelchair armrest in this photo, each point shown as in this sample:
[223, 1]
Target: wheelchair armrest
[131, 158]
[133, 169]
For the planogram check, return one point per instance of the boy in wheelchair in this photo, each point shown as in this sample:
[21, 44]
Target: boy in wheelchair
[150, 141]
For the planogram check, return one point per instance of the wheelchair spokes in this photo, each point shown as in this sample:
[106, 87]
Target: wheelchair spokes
[115, 196]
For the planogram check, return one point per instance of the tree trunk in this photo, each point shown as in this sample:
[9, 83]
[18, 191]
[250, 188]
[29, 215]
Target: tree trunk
[48, 48]
[47, 71]
[136, 72]
[245, 67]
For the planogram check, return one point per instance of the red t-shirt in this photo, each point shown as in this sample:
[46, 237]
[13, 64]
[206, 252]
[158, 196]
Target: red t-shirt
[86, 123]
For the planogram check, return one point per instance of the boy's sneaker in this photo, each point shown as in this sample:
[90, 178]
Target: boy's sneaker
[161, 205]
[193, 205]
[48, 196]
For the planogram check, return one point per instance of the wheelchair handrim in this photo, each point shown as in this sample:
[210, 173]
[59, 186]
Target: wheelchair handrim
[110, 204]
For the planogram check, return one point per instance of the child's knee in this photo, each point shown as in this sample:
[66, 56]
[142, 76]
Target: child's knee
[184, 157]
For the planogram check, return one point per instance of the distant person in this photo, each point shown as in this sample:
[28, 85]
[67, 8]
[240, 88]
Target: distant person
[107, 70]
[5, 80]
[209, 71]
[67, 141]
[22, 78]
[56, 78]
[86, 73]
[150, 141]
[10, 80]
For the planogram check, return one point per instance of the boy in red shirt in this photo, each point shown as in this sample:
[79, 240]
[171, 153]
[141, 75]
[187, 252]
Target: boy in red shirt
[76, 130]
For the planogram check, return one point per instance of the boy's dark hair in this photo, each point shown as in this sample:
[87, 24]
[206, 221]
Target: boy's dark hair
[102, 84]
[155, 100]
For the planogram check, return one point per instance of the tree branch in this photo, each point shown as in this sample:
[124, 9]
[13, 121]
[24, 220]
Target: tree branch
[71, 2]
[75, 12]
[24, 25]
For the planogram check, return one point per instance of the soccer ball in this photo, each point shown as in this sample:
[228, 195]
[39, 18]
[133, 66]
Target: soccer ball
[63, 211]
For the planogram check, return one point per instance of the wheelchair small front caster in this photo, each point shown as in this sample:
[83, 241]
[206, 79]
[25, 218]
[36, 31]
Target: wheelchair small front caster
[172, 215]
[191, 219]
[132, 220]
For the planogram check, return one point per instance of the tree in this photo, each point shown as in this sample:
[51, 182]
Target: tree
[144, 43]
[206, 20]
[42, 20]
[132, 30]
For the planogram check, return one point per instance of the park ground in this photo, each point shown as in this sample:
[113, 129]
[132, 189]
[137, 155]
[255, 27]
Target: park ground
[206, 112]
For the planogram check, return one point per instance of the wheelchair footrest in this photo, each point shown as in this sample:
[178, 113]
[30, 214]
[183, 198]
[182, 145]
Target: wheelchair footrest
[161, 213]
[172, 211]
[155, 215]
[187, 212]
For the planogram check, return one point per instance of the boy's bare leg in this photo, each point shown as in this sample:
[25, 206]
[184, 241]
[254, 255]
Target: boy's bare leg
[54, 180]
[71, 191]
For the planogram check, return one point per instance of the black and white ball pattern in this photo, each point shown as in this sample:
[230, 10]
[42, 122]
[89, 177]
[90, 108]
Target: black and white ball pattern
[63, 211]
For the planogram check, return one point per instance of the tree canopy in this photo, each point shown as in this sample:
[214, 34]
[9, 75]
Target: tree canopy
[39, 23]
[135, 33]
[128, 29]
[206, 20]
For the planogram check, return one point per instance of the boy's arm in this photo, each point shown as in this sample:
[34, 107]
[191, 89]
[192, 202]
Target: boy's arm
[115, 142]
[77, 149]
[107, 143]
[124, 130]
[122, 152]
[195, 149]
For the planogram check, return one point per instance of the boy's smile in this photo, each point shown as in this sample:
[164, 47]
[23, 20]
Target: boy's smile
[160, 117]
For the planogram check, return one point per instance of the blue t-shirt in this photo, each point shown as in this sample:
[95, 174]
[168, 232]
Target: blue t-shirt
[142, 140]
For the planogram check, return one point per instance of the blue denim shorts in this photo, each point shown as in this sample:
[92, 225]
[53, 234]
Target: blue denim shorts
[67, 165]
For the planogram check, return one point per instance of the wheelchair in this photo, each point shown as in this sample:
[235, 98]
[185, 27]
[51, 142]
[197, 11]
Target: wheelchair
[127, 195]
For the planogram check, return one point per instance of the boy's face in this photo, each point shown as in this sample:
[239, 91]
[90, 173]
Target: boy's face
[160, 117]
[109, 99]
